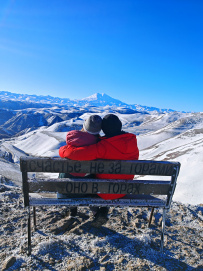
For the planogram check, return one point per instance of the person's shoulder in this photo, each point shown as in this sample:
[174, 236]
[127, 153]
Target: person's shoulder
[73, 136]
[126, 134]
[75, 133]
[120, 136]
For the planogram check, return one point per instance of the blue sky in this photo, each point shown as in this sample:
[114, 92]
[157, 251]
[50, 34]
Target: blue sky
[140, 52]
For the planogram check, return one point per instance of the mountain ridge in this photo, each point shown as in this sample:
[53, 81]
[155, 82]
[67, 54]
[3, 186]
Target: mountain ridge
[97, 99]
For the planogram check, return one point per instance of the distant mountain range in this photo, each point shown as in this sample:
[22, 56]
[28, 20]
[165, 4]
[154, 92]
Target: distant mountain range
[22, 113]
[8, 101]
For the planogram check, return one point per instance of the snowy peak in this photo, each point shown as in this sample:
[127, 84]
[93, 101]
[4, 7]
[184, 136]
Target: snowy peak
[96, 96]
[99, 99]
[99, 96]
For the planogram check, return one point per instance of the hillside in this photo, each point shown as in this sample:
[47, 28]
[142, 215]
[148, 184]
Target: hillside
[125, 242]
[161, 136]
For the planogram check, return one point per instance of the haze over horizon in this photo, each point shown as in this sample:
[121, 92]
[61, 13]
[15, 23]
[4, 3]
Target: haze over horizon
[142, 52]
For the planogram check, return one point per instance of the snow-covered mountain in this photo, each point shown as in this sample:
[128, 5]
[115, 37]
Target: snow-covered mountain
[9, 96]
[98, 99]
[10, 100]
[21, 113]
[17, 122]
[41, 130]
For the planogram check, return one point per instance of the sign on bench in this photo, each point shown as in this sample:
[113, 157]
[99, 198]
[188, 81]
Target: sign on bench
[152, 193]
[159, 168]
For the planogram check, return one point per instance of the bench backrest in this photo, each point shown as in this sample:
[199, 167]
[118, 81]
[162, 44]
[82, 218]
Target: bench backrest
[94, 186]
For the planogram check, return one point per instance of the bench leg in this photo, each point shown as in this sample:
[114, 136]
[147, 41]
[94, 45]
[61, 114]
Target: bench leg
[34, 217]
[150, 218]
[29, 232]
[163, 229]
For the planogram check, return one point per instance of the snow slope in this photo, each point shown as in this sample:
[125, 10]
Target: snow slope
[169, 137]
[173, 136]
[186, 148]
[125, 242]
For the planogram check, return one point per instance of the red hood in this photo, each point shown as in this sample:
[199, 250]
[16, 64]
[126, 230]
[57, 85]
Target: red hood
[79, 138]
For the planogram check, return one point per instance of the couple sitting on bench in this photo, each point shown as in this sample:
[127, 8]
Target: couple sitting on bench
[88, 145]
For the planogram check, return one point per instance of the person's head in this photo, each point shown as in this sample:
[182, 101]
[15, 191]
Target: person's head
[111, 125]
[92, 124]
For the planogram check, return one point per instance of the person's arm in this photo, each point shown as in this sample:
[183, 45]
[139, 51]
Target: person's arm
[90, 152]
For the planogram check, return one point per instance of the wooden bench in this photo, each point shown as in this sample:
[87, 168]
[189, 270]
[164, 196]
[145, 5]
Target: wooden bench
[156, 193]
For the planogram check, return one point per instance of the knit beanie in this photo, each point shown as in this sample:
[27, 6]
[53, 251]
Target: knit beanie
[111, 125]
[92, 125]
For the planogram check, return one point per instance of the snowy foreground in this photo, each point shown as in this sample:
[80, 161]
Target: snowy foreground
[124, 243]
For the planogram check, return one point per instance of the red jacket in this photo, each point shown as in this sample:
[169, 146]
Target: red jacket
[120, 147]
[79, 138]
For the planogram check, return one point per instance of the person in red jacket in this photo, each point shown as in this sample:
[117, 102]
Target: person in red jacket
[116, 144]
[87, 136]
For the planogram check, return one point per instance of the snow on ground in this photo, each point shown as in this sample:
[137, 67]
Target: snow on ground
[171, 136]
[39, 144]
[125, 242]
[170, 142]
[11, 171]
[187, 149]
[14, 151]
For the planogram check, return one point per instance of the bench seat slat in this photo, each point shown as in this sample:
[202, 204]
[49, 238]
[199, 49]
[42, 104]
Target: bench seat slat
[97, 202]
[95, 186]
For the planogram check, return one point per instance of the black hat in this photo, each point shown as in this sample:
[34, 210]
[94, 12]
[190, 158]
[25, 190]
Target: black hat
[111, 125]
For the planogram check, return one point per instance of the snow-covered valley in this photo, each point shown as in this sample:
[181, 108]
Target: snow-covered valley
[171, 136]
[125, 242]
